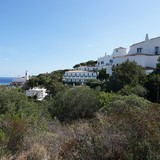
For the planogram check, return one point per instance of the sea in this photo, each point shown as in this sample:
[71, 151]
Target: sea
[6, 80]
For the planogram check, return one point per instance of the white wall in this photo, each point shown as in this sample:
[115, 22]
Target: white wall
[151, 61]
[147, 45]
[143, 60]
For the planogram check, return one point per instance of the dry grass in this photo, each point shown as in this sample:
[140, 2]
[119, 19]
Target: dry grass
[114, 137]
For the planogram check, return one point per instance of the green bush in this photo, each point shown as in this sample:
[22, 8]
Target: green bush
[127, 73]
[137, 90]
[122, 102]
[75, 103]
[106, 98]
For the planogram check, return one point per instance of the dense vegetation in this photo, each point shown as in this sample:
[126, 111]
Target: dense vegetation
[88, 63]
[114, 117]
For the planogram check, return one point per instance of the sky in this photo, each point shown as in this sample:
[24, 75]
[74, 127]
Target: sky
[46, 35]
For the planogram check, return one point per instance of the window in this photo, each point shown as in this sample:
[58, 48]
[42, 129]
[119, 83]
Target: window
[139, 50]
[116, 50]
[157, 50]
[111, 61]
[102, 62]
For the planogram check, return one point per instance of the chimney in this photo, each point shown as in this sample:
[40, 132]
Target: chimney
[146, 38]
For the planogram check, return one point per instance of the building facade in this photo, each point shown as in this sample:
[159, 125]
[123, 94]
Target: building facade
[78, 76]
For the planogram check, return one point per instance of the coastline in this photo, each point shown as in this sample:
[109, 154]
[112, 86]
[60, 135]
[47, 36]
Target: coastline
[4, 81]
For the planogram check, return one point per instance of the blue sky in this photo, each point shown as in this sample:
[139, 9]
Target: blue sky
[45, 35]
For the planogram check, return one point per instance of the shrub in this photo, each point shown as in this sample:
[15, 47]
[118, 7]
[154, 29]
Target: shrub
[75, 103]
[137, 90]
[122, 102]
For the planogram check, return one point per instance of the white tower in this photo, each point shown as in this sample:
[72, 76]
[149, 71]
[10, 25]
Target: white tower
[26, 75]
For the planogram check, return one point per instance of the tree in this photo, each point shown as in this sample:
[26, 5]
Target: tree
[17, 113]
[54, 87]
[51, 81]
[75, 103]
[157, 70]
[127, 73]
[91, 63]
[92, 83]
[88, 63]
[102, 76]
[133, 125]
[105, 98]
[152, 84]
[118, 103]
[138, 90]
[57, 75]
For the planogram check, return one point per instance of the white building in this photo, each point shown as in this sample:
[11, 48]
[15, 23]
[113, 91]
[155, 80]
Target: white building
[104, 61]
[40, 93]
[79, 76]
[144, 53]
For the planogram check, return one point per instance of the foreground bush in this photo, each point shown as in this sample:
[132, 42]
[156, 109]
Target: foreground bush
[17, 116]
[132, 134]
[116, 103]
[75, 103]
[125, 128]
